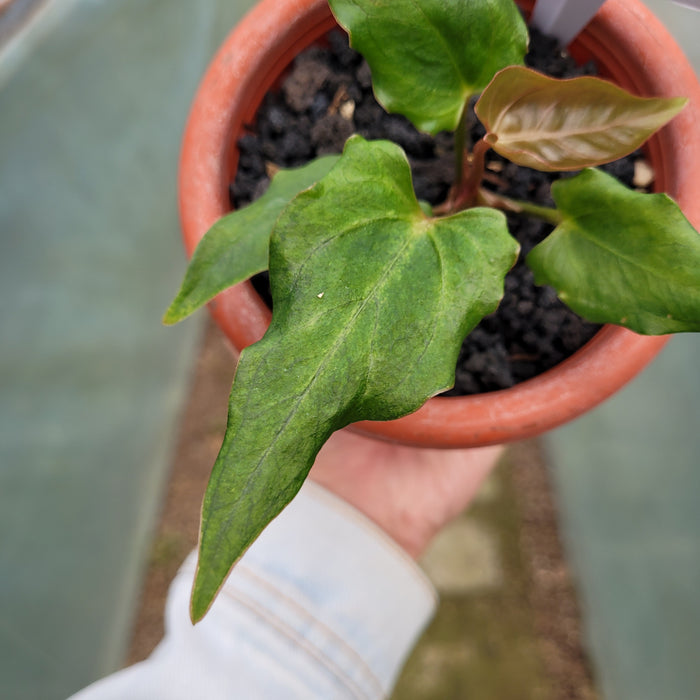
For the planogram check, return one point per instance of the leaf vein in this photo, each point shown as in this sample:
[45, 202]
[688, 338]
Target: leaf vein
[246, 487]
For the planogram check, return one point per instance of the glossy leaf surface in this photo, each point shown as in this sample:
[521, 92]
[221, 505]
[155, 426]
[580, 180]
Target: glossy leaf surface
[372, 300]
[622, 257]
[556, 125]
[429, 56]
[236, 247]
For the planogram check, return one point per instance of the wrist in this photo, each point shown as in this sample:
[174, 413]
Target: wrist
[410, 493]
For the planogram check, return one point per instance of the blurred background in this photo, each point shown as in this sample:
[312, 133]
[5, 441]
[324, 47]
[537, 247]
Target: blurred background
[93, 99]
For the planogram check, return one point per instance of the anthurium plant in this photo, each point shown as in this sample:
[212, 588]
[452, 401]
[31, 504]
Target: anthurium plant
[375, 291]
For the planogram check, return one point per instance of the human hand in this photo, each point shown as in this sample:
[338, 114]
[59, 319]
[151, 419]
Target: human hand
[411, 493]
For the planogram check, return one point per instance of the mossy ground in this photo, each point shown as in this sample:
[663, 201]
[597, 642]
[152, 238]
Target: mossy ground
[482, 643]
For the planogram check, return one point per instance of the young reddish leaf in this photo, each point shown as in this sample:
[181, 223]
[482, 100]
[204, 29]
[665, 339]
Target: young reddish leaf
[556, 125]
[236, 246]
[429, 56]
[621, 257]
[372, 300]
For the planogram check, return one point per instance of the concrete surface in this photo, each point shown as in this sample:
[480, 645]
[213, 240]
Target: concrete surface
[93, 97]
[628, 481]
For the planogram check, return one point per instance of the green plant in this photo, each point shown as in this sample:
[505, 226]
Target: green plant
[353, 337]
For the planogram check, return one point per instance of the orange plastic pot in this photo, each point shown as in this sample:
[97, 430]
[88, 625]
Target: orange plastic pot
[628, 44]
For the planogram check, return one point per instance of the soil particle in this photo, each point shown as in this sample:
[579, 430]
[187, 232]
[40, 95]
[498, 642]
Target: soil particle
[551, 591]
[327, 130]
[326, 97]
[302, 84]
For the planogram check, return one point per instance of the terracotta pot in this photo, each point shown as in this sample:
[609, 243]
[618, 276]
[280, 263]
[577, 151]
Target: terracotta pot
[629, 46]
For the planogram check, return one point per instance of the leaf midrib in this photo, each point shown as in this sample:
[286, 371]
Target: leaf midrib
[332, 239]
[598, 243]
[466, 90]
[339, 341]
[532, 135]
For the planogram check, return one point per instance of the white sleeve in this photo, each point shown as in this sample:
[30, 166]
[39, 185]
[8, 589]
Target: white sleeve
[323, 605]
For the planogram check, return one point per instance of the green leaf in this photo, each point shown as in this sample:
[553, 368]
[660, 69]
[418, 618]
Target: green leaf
[556, 125]
[236, 246]
[372, 300]
[426, 207]
[429, 56]
[622, 257]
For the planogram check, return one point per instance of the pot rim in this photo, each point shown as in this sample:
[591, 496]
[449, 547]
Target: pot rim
[248, 63]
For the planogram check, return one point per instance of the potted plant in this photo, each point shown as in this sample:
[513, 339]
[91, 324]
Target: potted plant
[339, 318]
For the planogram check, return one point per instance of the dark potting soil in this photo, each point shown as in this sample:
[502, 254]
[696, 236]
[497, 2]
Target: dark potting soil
[326, 97]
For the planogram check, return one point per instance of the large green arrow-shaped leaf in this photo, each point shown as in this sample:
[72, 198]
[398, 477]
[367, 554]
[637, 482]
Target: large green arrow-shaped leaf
[372, 300]
[622, 257]
[556, 125]
[236, 247]
[429, 56]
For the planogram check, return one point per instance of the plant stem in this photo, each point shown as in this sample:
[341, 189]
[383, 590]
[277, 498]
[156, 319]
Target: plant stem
[469, 172]
[464, 192]
[477, 166]
[460, 149]
[517, 206]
